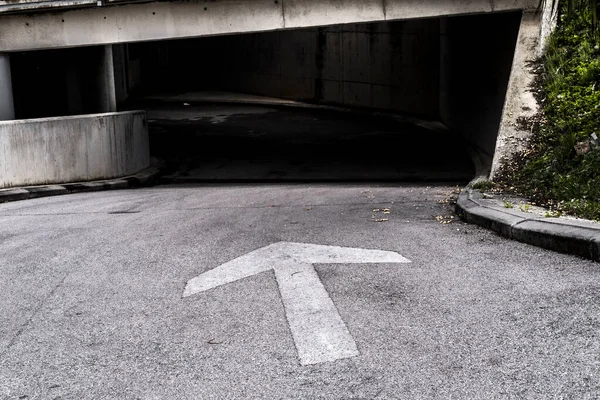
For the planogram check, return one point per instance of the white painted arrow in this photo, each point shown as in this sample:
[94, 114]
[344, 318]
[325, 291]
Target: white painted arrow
[318, 330]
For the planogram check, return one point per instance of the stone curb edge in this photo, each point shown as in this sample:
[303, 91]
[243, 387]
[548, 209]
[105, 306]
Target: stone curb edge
[551, 234]
[142, 178]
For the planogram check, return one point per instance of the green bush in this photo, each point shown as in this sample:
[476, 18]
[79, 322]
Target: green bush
[554, 173]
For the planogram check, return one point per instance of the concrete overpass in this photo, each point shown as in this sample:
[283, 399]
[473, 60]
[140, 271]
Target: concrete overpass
[83, 23]
[438, 54]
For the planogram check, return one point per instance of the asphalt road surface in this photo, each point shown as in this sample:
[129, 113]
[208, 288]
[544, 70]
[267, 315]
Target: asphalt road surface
[92, 301]
[226, 142]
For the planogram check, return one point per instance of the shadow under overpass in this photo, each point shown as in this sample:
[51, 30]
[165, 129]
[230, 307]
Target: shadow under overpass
[212, 142]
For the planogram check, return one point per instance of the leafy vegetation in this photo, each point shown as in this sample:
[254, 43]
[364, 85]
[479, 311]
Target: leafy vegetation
[570, 8]
[563, 168]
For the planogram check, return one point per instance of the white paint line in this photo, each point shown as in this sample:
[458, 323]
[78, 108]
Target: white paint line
[318, 330]
[231, 271]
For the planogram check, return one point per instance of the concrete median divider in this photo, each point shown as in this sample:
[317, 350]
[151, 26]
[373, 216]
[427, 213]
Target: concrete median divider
[73, 149]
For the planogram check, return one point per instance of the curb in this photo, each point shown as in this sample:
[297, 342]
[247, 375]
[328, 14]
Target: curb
[575, 237]
[142, 178]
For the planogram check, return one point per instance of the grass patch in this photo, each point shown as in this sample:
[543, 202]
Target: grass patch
[483, 185]
[563, 167]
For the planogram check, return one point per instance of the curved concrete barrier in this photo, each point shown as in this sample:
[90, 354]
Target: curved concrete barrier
[72, 149]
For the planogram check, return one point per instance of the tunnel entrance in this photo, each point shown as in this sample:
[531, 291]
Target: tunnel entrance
[395, 100]
[413, 100]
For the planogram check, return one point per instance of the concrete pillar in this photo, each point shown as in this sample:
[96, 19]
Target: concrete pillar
[7, 108]
[106, 81]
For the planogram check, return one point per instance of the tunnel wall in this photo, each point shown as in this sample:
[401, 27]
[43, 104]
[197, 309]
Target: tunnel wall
[389, 65]
[70, 149]
[476, 60]
[392, 66]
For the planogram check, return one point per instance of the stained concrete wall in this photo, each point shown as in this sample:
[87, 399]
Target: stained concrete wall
[71, 149]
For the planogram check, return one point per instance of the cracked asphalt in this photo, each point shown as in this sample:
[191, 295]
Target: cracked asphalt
[92, 306]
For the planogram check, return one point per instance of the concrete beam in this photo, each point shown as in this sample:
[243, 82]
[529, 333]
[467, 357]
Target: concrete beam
[184, 19]
[410, 9]
[13, 6]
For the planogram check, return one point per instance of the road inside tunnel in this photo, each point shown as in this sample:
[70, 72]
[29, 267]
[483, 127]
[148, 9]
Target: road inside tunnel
[252, 143]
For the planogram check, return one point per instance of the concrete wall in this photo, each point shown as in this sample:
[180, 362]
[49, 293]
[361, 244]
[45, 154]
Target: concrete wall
[390, 65]
[183, 19]
[71, 149]
[387, 65]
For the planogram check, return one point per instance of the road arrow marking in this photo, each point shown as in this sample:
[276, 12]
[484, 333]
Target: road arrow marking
[318, 330]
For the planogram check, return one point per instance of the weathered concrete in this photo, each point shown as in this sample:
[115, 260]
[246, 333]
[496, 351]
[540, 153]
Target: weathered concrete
[143, 178]
[520, 105]
[7, 108]
[548, 21]
[184, 19]
[67, 149]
